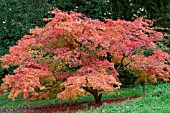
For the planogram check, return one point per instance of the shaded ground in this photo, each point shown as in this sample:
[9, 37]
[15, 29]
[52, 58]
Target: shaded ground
[64, 107]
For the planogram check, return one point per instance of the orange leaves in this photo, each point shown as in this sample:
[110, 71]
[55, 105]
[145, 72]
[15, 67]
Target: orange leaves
[51, 87]
[24, 81]
[102, 53]
[152, 67]
[19, 53]
[62, 75]
[126, 61]
[129, 36]
[75, 85]
[71, 92]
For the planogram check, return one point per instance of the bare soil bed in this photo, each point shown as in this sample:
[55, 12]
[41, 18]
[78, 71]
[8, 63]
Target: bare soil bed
[64, 107]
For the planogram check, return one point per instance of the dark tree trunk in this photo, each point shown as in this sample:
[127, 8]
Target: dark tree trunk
[95, 93]
[98, 98]
[143, 88]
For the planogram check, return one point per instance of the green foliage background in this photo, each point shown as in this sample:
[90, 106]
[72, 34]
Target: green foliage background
[158, 10]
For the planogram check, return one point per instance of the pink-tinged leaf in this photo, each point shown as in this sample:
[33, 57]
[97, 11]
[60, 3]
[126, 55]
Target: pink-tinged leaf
[62, 75]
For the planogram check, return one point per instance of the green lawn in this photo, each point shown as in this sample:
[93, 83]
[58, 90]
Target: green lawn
[157, 100]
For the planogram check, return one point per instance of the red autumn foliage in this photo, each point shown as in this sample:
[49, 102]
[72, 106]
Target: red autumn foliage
[82, 53]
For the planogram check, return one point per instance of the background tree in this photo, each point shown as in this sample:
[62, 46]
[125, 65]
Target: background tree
[123, 9]
[154, 9]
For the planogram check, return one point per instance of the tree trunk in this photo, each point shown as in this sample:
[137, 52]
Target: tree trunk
[143, 88]
[97, 96]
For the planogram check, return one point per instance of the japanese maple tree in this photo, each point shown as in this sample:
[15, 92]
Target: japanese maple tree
[75, 56]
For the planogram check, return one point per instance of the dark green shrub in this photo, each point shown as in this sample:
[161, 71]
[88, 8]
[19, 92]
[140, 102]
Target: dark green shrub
[158, 10]
[127, 79]
[18, 16]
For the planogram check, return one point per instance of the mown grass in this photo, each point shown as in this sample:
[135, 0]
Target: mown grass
[156, 100]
